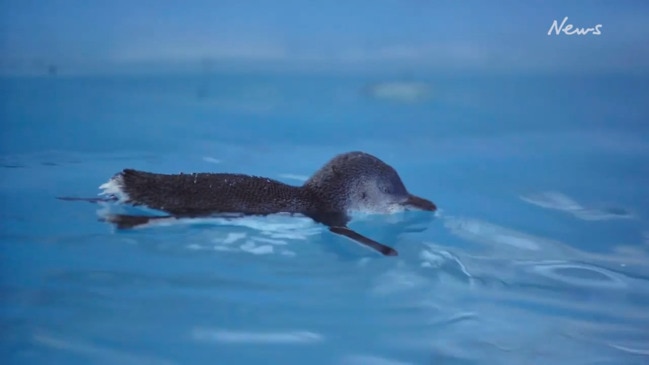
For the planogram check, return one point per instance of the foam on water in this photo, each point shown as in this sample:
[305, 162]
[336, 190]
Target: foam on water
[257, 250]
[233, 237]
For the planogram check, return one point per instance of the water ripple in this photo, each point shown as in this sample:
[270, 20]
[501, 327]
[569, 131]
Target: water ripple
[493, 235]
[578, 274]
[559, 201]
[273, 338]
[447, 262]
[369, 360]
[643, 350]
[108, 355]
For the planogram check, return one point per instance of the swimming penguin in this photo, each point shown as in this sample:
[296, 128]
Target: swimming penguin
[348, 183]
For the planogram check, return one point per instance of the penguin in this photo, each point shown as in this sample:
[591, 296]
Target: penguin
[352, 182]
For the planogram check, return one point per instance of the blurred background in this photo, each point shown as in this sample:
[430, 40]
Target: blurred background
[400, 36]
[416, 72]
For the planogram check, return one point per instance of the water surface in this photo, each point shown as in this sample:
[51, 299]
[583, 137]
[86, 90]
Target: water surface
[539, 253]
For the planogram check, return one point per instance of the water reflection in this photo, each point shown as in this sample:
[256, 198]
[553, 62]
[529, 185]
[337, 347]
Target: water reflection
[559, 201]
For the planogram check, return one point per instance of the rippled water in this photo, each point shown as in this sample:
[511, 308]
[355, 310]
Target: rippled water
[539, 254]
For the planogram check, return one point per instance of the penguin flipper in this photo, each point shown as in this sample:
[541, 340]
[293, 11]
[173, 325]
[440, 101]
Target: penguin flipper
[383, 249]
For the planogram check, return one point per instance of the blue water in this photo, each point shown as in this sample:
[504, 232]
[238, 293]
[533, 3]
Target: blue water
[539, 254]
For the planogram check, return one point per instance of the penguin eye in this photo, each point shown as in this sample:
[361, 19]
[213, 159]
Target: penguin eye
[385, 189]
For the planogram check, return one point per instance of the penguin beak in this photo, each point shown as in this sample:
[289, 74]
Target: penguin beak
[419, 203]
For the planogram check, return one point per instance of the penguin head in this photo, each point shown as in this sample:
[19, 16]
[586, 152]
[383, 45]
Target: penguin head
[360, 182]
